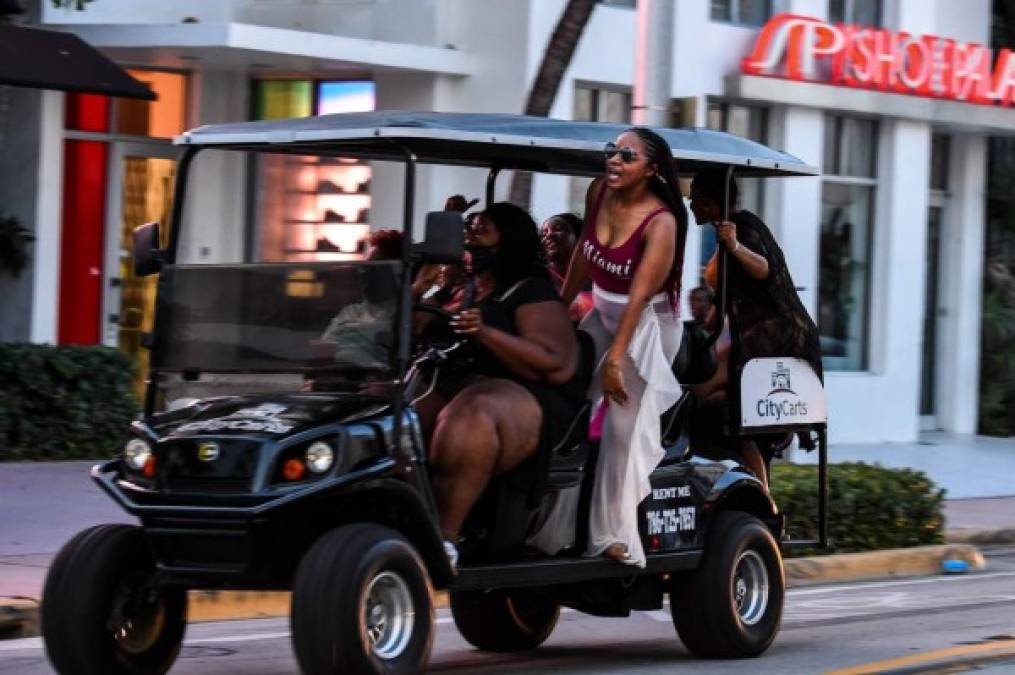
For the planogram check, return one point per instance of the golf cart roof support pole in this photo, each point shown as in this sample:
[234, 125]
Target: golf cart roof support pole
[720, 286]
[405, 301]
[491, 184]
[168, 258]
[823, 486]
[180, 189]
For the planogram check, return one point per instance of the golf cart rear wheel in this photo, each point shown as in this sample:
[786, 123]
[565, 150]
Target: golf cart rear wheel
[102, 611]
[361, 604]
[731, 606]
[504, 620]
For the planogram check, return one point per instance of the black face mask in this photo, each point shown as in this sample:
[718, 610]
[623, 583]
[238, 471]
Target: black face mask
[483, 258]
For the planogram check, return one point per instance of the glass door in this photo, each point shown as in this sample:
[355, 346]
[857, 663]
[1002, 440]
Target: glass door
[141, 182]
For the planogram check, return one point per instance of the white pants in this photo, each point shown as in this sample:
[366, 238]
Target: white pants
[631, 446]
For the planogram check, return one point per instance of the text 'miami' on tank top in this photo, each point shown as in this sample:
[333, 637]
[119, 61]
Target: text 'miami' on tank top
[612, 268]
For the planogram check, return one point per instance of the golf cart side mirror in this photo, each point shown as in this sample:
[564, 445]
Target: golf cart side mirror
[147, 254]
[444, 241]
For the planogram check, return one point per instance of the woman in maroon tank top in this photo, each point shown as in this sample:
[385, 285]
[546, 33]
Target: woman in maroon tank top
[632, 248]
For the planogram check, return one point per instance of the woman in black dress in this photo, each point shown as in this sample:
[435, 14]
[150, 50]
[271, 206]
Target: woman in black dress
[524, 378]
[766, 317]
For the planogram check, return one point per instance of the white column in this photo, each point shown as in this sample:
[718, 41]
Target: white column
[653, 61]
[48, 210]
[961, 286]
[216, 188]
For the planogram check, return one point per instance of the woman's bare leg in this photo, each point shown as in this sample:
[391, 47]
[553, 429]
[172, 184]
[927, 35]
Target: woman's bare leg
[489, 428]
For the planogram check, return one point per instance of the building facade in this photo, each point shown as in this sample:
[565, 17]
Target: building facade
[885, 247]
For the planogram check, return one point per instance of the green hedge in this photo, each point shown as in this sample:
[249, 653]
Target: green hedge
[63, 402]
[870, 506]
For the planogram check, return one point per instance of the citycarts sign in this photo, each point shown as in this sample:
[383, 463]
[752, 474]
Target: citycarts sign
[805, 48]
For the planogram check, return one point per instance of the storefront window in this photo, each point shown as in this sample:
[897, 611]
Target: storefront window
[858, 12]
[282, 99]
[847, 207]
[746, 121]
[164, 117]
[745, 12]
[311, 208]
[596, 104]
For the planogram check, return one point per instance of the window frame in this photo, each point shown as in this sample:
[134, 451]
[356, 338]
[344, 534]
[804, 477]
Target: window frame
[871, 182]
[849, 11]
[733, 10]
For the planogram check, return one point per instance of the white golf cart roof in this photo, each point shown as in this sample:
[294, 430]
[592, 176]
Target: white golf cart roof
[487, 140]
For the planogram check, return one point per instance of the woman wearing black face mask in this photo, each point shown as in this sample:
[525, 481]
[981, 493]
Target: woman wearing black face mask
[525, 373]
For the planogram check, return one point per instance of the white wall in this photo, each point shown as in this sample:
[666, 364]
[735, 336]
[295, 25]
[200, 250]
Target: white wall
[31, 153]
[215, 210]
[405, 21]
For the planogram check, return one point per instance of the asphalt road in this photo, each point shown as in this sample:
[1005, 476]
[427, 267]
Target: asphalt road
[967, 618]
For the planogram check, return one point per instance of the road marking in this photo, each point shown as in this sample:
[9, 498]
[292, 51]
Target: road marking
[237, 638]
[36, 642]
[925, 657]
[901, 582]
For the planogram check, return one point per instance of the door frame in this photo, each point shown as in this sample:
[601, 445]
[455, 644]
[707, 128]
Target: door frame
[154, 148]
[935, 199]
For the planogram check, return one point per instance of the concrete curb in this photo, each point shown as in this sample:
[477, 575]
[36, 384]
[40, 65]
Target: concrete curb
[19, 617]
[980, 536]
[897, 562]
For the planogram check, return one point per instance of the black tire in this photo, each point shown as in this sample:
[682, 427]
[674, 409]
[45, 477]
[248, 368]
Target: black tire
[504, 620]
[344, 576]
[731, 606]
[102, 614]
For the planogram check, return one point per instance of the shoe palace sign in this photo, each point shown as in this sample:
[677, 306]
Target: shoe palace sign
[805, 48]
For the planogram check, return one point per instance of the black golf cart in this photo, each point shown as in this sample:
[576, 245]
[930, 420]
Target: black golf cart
[242, 478]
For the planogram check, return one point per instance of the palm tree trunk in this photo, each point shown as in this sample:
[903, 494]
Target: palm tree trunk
[557, 57]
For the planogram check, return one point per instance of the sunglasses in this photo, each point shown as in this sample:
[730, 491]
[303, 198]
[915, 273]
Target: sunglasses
[627, 155]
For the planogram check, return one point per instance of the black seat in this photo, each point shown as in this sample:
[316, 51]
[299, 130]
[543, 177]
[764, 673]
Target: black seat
[696, 360]
[568, 458]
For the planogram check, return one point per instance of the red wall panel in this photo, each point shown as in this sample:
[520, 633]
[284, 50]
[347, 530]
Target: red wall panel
[87, 112]
[81, 252]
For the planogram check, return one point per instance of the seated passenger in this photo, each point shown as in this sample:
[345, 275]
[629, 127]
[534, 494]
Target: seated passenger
[700, 301]
[766, 317]
[352, 335]
[560, 235]
[459, 203]
[524, 378]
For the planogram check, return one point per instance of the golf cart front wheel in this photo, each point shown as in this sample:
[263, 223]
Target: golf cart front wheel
[361, 604]
[102, 610]
[504, 620]
[731, 606]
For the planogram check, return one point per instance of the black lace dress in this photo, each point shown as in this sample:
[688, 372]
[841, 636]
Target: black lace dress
[766, 316]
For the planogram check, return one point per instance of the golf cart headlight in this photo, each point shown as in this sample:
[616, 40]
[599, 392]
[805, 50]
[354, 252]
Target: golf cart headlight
[137, 453]
[320, 457]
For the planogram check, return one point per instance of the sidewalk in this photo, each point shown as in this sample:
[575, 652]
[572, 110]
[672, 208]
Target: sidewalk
[966, 467]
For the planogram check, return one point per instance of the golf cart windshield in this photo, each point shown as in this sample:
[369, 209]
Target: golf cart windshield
[310, 318]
